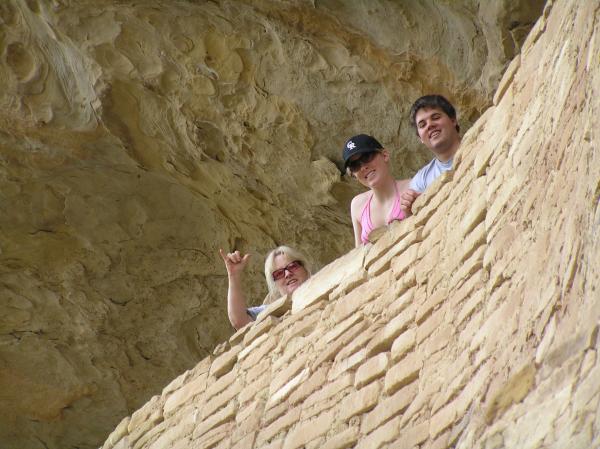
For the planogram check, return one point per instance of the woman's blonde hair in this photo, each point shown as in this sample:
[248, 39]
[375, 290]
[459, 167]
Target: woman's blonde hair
[292, 254]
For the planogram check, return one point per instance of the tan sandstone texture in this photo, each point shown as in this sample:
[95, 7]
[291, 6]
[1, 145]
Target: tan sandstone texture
[139, 137]
[473, 324]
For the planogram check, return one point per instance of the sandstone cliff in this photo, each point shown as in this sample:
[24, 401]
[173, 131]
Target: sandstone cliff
[136, 138]
[473, 324]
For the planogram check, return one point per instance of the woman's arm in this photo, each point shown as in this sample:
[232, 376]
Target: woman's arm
[236, 299]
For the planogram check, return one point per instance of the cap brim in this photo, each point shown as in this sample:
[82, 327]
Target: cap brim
[359, 151]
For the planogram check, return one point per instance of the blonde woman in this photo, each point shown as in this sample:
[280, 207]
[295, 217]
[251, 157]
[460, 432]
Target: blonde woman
[285, 270]
[366, 160]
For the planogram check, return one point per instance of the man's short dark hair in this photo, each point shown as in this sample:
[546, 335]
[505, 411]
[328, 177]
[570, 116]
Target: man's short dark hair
[432, 101]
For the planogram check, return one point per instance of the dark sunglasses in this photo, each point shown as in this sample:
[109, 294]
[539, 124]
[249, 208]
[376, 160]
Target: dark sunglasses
[291, 267]
[355, 164]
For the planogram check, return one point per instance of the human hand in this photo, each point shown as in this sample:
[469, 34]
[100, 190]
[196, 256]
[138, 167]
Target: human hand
[235, 263]
[407, 198]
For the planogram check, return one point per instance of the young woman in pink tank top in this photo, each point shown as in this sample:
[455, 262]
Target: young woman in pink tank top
[367, 161]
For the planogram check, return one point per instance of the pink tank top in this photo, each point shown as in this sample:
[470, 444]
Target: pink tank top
[365, 217]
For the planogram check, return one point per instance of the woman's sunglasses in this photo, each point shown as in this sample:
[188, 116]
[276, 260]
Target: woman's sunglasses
[355, 164]
[291, 267]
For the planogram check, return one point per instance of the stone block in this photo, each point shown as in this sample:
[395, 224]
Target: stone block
[404, 343]
[381, 306]
[373, 368]
[415, 435]
[210, 422]
[406, 298]
[404, 261]
[225, 362]
[359, 402]
[246, 442]
[366, 292]
[185, 394]
[145, 419]
[218, 435]
[176, 431]
[329, 351]
[342, 327]
[475, 282]
[258, 388]
[379, 437]
[221, 399]
[472, 303]
[258, 350]
[341, 365]
[178, 382]
[359, 339]
[277, 308]
[342, 440]
[389, 407]
[278, 426]
[425, 309]
[288, 388]
[432, 323]
[277, 444]
[318, 286]
[299, 328]
[472, 242]
[430, 263]
[238, 336]
[443, 419]
[221, 383]
[383, 262]
[260, 328]
[321, 407]
[330, 390]
[248, 420]
[439, 340]
[307, 431]
[348, 284]
[428, 201]
[439, 213]
[398, 230]
[259, 369]
[284, 376]
[505, 83]
[477, 209]
[141, 438]
[309, 386]
[384, 338]
[403, 373]
[274, 413]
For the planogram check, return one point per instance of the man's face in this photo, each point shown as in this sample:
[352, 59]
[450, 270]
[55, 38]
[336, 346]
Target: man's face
[436, 130]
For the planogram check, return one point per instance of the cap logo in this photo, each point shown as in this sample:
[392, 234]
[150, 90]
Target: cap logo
[351, 145]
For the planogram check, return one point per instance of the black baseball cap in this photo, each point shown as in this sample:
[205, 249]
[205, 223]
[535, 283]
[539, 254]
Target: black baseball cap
[362, 143]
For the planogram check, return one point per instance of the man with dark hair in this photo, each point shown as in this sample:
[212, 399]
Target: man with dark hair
[434, 120]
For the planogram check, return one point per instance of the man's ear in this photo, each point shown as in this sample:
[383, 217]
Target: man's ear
[386, 155]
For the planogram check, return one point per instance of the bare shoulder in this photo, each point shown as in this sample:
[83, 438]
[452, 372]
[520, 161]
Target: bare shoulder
[358, 202]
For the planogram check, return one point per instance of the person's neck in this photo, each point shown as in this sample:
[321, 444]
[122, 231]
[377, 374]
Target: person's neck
[449, 153]
[385, 190]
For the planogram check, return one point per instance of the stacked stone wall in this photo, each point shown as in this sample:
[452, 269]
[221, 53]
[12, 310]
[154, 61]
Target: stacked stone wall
[472, 324]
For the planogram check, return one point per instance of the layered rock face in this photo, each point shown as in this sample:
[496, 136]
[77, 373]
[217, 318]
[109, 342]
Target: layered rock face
[136, 138]
[473, 324]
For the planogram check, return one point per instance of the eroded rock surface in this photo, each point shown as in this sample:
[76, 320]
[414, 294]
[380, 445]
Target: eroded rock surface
[136, 138]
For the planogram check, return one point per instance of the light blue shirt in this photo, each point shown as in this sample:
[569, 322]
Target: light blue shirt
[254, 311]
[428, 174]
